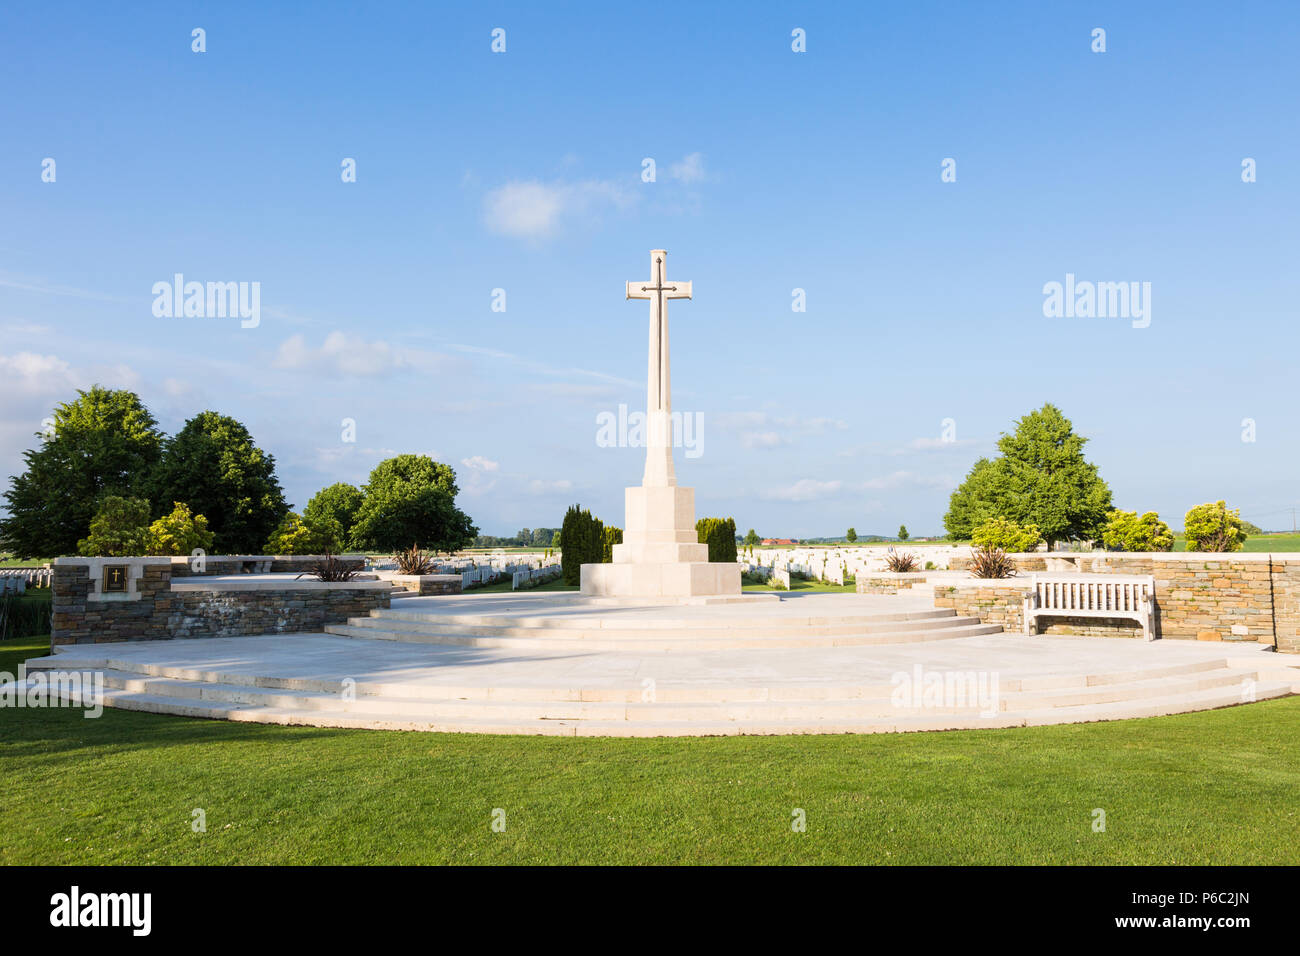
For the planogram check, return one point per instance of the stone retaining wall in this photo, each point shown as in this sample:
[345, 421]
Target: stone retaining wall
[155, 608]
[258, 563]
[887, 582]
[424, 584]
[1199, 596]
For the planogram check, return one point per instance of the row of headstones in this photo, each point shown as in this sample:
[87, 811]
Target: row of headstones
[32, 577]
[531, 577]
[834, 565]
[14, 583]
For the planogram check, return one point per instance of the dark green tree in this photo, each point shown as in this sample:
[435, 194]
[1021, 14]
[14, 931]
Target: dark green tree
[973, 502]
[339, 502]
[720, 535]
[1040, 478]
[851, 535]
[752, 538]
[902, 532]
[583, 542]
[611, 537]
[411, 500]
[213, 465]
[105, 442]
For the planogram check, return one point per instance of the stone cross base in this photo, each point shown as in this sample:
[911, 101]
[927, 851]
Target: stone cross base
[660, 555]
[695, 579]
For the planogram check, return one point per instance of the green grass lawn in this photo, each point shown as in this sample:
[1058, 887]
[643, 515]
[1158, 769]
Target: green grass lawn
[554, 585]
[798, 584]
[1215, 787]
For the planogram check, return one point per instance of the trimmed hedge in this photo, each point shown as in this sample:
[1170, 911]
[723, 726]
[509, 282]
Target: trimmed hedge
[582, 538]
[720, 535]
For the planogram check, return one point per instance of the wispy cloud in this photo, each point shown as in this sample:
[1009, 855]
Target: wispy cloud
[345, 354]
[536, 210]
[690, 169]
[805, 489]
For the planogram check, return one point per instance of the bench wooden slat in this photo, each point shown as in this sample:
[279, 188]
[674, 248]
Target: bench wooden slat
[1092, 595]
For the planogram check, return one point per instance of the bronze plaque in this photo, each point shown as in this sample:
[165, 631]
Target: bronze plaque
[115, 578]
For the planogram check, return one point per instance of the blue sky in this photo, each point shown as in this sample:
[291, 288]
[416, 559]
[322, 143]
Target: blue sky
[776, 170]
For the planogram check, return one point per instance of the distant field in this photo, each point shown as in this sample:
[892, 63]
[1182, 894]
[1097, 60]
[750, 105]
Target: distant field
[1259, 544]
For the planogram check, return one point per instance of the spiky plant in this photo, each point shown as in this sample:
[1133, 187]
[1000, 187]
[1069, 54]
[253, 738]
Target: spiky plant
[330, 568]
[904, 563]
[413, 561]
[991, 563]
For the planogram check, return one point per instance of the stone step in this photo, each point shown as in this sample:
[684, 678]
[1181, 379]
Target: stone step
[103, 658]
[579, 632]
[673, 704]
[370, 629]
[652, 727]
[574, 619]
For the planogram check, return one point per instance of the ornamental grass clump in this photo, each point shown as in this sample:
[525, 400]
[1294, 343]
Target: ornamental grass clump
[902, 563]
[330, 568]
[991, 563]
[413, 561]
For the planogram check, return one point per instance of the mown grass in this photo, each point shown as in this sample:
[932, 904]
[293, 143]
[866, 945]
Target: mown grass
[1214, 787]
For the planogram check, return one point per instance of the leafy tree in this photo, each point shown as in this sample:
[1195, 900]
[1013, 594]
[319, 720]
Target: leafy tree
[611, 537]
[1040, 478]
[584, 543]
[1006, 536]
[179, 532]
[555, 541]
[902, 532]
[214, 466]
[1125, 531]
[752, 538]
[333, 510]
[973, 501]
[411, 499]
[119, 529]
[1213, 527]
[851, 535]
[297, 535]
[1250, 528]
[103, 443]
[720, 535]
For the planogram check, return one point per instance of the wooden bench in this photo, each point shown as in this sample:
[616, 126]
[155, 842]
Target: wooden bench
[1093, 595]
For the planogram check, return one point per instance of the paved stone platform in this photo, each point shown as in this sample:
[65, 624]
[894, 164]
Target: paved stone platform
[551, 682]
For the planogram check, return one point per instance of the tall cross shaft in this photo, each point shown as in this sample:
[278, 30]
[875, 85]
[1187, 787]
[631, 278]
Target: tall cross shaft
[659, 450]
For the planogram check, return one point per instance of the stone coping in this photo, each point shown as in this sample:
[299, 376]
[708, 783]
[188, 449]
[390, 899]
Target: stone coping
[417, 578]
[185, 558]
[273, 582]
[1252, 556]
[1020, 581]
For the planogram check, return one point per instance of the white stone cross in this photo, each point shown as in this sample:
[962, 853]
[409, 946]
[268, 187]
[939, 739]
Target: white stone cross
[659, 449]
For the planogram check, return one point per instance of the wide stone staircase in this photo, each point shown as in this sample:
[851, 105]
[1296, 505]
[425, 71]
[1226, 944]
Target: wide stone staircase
[605, 632]
[554, 707]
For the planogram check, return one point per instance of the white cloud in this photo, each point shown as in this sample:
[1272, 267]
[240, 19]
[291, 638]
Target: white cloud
[934, 444]
[689, 170]
[27, 373]
[907, 479]
[479, 463]
[539, 487]
[805, 489]
[349, 355]
[762, 440]
[536, 210]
